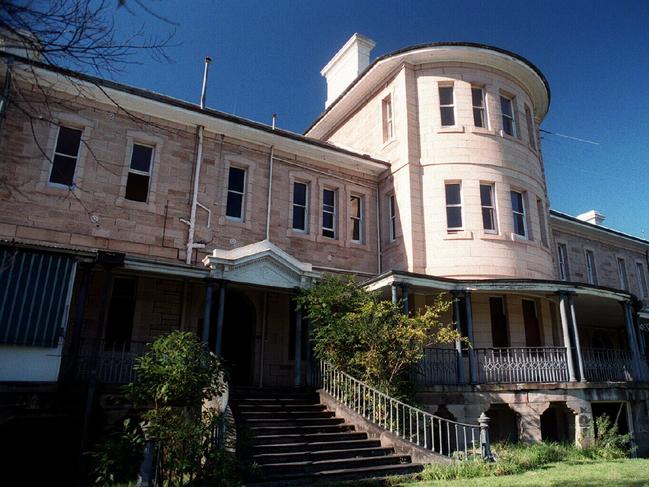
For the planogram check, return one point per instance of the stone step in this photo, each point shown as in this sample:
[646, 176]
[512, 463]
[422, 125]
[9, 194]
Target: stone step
[253, 413]
[292, 408]
[281, 401]
[277, 470]
[315, 456]
[302, 446]
[307, 438]
[290, 421]
[285, 429]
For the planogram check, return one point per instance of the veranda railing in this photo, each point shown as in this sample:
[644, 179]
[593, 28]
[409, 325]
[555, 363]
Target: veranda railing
[522, 364]
[602, 364]
[439, 435]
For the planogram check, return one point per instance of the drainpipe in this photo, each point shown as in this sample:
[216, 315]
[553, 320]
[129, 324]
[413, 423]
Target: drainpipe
[197, 174]
[270, 190]
[378, 229]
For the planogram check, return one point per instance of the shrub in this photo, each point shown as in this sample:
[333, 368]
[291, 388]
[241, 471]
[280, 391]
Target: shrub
[609, 443]
[368, 337]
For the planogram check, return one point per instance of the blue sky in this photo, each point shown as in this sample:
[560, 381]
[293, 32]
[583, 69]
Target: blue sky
[268, 55]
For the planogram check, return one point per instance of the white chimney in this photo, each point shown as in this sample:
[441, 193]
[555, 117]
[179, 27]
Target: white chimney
[592, 216]
[346, 65]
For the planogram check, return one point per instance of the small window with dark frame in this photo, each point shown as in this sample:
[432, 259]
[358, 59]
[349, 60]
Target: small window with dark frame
[562, 253]
[139, 173]
[388, 127]
[453, 206]
[591, 271]
[489, 223]
[519, 213]
[530, 127]
[236, 193]
[478, 102]
[329, 213]
[356, 215]
[392, 207]
[300, 206]
[446, 106]
[66, 155]
[621, 274]
[509, 120]
[642, 280]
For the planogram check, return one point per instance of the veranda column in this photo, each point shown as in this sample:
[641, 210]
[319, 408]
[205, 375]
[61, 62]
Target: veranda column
[395, 296]
[219, 318]
[473, 363]
[633, 342]
[575, 333]
[458, 343]
[298, 349]
[565, 327]
[404, 299]
[207, 309]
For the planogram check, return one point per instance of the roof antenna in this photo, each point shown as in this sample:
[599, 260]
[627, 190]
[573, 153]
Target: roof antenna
[274, 120]
[208, 60]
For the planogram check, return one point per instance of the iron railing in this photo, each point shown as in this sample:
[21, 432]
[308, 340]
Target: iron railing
[439, 435]
[113, 361]
[602, 364]
[522, 364]
[438, 367]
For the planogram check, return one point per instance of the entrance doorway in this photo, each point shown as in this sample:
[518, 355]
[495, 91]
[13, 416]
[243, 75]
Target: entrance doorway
[239, 323]
[558, 424]
[531, 320]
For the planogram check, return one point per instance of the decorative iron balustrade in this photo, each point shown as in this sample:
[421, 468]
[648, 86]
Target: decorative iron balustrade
[114, 360]
[522, 364]
[603, 364]
[438, 367]
[439, 435]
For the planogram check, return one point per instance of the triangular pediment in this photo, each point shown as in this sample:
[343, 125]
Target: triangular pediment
[261, 263]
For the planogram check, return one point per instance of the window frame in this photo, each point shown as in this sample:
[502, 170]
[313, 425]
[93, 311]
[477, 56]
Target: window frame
[77, 157]
[492, 207]
[622, 274]
[243, 193]
[148, 174]
[387, 118]
[591, 266]
[450, 229]
[305, 222]
[452, 105]
[392, 213]
[483, 108]
[512, 105]
[562, 261]
[359, 218]
[531, 132]
[523, 214]
[334, 214]
[641, 277]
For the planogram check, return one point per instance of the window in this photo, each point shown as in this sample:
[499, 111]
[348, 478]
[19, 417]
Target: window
[446, 105]
[591, 273]
[507, 109]
[541, 212]
[518, 212]
[139, 173]
[642, 280]
[488, 207]
[479, 115]
[65, 157]
[356, 215]
[388, 128]
[453, 206]
[328, 213]
[300, 206]
[499, 331]
[120, 313]
[563, 262]
[621, 274]
[530, 127]
[393, 217]
[236, 193]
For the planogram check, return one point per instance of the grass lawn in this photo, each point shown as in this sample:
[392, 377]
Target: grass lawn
[616, 473]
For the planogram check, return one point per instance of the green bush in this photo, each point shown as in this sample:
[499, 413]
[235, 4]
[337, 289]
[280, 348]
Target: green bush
[608, 443]
[370, 338]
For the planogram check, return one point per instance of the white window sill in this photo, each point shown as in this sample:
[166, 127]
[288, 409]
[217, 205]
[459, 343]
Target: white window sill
[328, 240]
[451, 129]
[300, 234]
[459, 235]
[388, 143]
[481, 130]
[491, 235]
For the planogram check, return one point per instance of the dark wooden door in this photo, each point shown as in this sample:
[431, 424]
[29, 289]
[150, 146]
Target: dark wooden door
[499, 333]
[532, 327]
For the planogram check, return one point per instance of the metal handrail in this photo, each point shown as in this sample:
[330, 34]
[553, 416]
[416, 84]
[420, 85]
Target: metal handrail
[439, 435]
[522, 364]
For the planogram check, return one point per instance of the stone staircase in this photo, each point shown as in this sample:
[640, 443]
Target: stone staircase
[296, 441]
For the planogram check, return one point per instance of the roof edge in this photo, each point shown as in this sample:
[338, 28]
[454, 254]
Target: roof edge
[617, 233]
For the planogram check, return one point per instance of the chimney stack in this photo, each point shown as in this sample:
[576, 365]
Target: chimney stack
[592, 216]
[346, 65]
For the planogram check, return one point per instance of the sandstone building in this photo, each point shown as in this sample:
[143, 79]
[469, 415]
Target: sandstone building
[125, 214]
